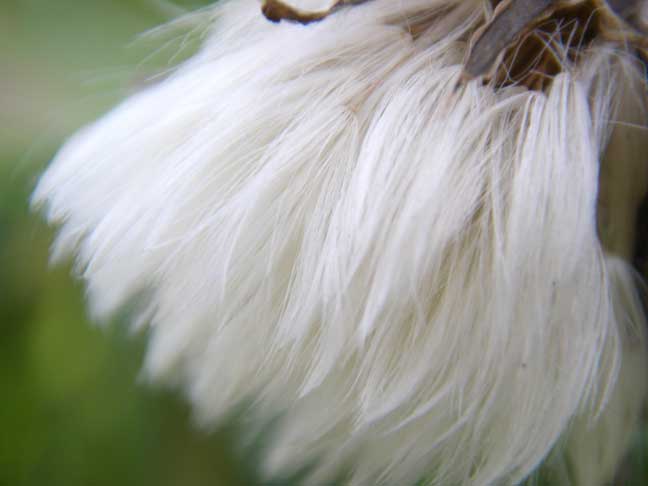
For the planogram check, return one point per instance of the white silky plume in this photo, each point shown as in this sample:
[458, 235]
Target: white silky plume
[408, 272]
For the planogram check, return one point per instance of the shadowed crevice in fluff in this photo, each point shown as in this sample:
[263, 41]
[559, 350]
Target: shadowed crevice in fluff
[408, 273]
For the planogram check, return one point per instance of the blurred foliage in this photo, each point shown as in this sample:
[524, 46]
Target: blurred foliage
[72, 411]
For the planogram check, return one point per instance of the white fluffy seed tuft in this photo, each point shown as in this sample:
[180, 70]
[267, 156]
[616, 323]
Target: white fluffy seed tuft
[409, 273]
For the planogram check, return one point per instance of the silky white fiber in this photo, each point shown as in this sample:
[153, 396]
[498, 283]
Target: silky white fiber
[420, 279]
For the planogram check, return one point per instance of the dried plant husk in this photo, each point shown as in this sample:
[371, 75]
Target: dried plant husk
[528, 41]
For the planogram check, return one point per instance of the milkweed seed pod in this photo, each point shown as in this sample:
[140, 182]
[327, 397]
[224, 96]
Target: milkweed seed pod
[405, 233]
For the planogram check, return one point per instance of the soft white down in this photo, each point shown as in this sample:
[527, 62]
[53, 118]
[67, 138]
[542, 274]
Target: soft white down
[420, 280]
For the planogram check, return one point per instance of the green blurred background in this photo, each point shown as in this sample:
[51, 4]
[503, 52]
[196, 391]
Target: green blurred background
[72, 410]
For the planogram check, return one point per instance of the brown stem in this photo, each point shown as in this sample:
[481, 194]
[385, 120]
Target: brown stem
[277, 10]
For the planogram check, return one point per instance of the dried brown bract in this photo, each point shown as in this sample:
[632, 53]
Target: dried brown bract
[528, 41]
